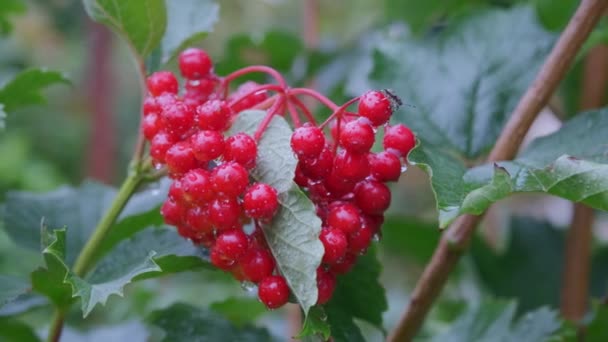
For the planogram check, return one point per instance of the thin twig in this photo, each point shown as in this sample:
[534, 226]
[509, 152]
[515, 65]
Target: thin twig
[456, 238]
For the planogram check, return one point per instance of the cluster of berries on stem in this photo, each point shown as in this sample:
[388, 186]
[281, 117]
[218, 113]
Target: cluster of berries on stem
[214, 202]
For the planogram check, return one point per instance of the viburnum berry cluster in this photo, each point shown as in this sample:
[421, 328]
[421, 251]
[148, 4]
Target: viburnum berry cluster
[213, 201]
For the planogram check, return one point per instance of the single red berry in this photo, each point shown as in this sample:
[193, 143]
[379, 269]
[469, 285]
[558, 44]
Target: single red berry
[197, 187]
[307, 141]
[172, 212]
[299, 177]
[357, 136]
[338, 185]
[194, 63]
[350, 166]
[344, 265]
[374, 222]
[197, 218]
[372, 197]
[384, 166]
[399, 138]
[224, 213]
[326, 284]
[180, 159]
[377, 106]
[185, 231]
[333, 126]
[219, 261]
[335, 244]
[207, 145]
[257, 239]
[150, 125]
[273, 291]
[344, 217]
[151, 106]
[241, 148]
[159, 145]
[319, 167]
[359, 241]
[230, 179]
[176, 192]
[162, 82]
[213, 115]
[166, 100]
[178, 119]
[260, 201]
[199, 90]
[257, 264]
[231, 244]
[318, 192]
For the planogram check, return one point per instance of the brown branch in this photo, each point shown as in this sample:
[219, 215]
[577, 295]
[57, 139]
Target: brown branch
[458, 235]
[575, 288]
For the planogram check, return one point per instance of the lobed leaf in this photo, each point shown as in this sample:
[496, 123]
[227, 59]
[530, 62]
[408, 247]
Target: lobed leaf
[11, 288]
[24, 89]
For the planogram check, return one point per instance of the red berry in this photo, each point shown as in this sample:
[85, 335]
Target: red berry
[180, 159]
[207, 145]
[385, 166]
[344, 217]
[299, 177]
[307, 141]
[335, 244]
[162, 82]
[200, 89]
[213, 115]
[359, 241]
[333, 126]
[196, 186]
[178, 119]
[224, 213]
[151, 106]
[319, 167]
[231, 244]
[197, 219]
[399, 138]
[219, 261]
[230, 179]
[326, 284]
[176, 192]
[172, 212]
[257, 264]
[337, 185]
[260, 201]
[273, 291]
[351, 166]
[372, 197]
[150, 125]
[159, 145]
[344, 265]
[376, 106]
[241, 148]
[194, 63]
[357, 136]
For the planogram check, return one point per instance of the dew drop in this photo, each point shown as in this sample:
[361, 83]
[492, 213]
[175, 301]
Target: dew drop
[248, 286]
[376, 238]
[403, 168]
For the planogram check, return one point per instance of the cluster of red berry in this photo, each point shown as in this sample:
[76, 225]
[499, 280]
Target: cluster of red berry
[211, 199]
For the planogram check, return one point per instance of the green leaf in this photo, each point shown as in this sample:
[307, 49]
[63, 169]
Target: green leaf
[410, 237]
[14, 330]
[8, 8]
[495, 321]
[182, 322]
[315, 324]
[554, 15]
[141, 23]
[11, 288]
[293, 233]
[422, 14]
[24, 89]
[189, 21]
[343, 327]
[464, 81]
[597, 330]
[79, 209]
[239, 310]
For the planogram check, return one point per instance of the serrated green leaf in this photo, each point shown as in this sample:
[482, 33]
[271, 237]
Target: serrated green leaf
[14, 330]
[11, 288]
[239, 310]
[189, 21]
[24, 89]
[293, 233]
[495, 321]
[343, 327]
[79, 209]
[182, 322]
[315, 325]
[141, 23]
[8, 8]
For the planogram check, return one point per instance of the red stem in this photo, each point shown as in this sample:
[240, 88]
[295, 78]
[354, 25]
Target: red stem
[271, 87]
[338, 112]
[303, 109]
[251, 69]
[316, 95]
[276, 107]
[293, 112]
[267, 103]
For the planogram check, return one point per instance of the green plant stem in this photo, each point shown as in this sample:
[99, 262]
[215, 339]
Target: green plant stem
[56, 326]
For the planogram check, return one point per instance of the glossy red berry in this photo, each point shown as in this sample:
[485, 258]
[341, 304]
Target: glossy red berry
[200, 88]
[207, 145]
[150, 125]
[344, 217]
[172, 212]
[399, 138]
[273, 291]
[299, 177]
[194, 63]
[344, 265]
[372, 197]
[357, 136]
[197, 218]
[213, 115]
[326, 284]
[196, 186]
[333, 126]
[151, 106]
[319, 167]
[260, 201]
[180, 159]
[178, 119]
[359, 241]
[377, 106]
[162, 82]
[176, 192]
[230, 179]
[241, 148]
[307, 141]
[231, 244]
[159, 145]
[385, 166]
[338, 185]
[257, 264]
[335, 244]
[350, 166]
[224, 213]
[218, 260]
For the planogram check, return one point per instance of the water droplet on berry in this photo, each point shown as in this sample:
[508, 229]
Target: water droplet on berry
[248, 286]
[403, 168]
[376, 238]
[158, 166]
